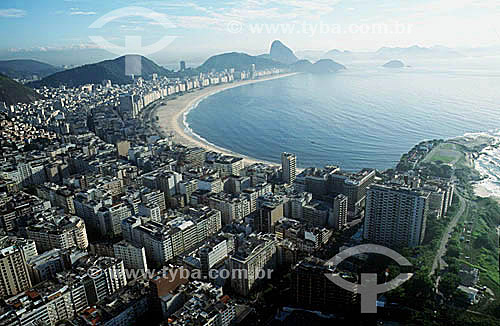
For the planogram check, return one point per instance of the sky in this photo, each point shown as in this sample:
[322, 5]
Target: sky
[198, 28]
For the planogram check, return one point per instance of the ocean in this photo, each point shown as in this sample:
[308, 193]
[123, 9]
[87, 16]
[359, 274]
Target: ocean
[366, 116]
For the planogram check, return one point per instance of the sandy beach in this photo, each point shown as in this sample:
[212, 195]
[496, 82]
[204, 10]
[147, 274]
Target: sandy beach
[171, 116]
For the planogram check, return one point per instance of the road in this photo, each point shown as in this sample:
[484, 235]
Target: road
[438, 260]
[149, 117]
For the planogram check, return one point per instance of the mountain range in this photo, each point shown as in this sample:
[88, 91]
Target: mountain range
[25, 69]
[95, 73]
[388, 53]
[279, 56]
[417, 52]
[238, 61]
[12, 92]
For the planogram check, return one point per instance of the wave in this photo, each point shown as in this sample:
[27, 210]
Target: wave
[487, 164]
[191, 132]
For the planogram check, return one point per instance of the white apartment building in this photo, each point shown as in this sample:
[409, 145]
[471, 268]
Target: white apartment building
[211, 254]
[255, 258]
[232, 208]
[14, 274]
[163, 241]
[289, 167]
[59, 231]
[133, 256]
[395, 216]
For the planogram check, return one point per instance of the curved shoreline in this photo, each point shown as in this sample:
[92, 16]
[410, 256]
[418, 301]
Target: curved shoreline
[172, 117]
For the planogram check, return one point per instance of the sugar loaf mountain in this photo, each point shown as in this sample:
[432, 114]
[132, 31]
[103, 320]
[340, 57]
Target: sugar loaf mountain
[279, 56]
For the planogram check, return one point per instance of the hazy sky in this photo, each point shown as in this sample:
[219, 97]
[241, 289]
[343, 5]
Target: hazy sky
[250, 25]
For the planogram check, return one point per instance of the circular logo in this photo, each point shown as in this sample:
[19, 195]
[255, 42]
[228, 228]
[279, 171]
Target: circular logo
[133, 43]
[234, 27]
[94, 272]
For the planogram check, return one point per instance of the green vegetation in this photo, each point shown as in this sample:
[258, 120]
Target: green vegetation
[113, 70]
[238, 61]
[11, 92]
[26, 68]
[479, 245]
[445, 153]
[474, 243]
[416, 155]
[437, 170]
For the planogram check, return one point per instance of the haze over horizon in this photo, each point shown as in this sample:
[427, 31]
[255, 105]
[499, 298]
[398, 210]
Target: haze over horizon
[204, 28]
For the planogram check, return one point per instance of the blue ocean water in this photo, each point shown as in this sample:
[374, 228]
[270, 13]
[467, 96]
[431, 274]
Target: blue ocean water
[367, 116]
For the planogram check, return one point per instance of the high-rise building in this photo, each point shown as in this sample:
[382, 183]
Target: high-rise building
[354, 186]
[58, 231]
[109, 277]
[253, 71]
[46, 304]
[229, 165]
[122, 148]
[212, 254]
[339, 215]
[192, 157]
[289, 166]
[311, 289]
[133, 256]
[252, 262]
[232, 208]
[316, 213]
[14, 275]
[395, 216]
[165, 240]
[269, 214]
[46, 265]
[109, 218]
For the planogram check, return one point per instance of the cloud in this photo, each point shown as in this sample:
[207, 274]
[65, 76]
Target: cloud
[245, 11]
[79, 46]
[12, 13]
[82, 13]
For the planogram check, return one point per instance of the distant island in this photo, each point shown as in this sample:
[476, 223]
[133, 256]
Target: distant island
[394, 64]
[325, 66]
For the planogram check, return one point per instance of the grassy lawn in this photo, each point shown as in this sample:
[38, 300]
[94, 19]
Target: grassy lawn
[445, 153]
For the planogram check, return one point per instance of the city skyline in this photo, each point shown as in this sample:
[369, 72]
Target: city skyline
[222, 163]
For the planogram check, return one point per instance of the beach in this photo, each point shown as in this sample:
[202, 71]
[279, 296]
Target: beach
[486, 163]
[171, 117]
